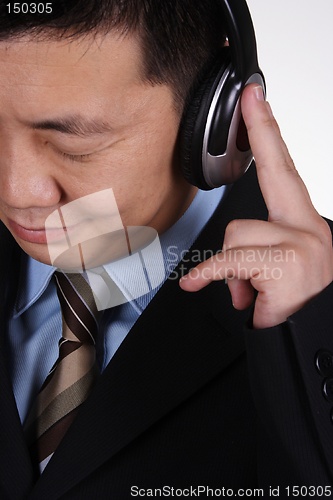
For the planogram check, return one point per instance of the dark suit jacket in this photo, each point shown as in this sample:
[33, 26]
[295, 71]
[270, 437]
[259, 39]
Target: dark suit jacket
[191, 397]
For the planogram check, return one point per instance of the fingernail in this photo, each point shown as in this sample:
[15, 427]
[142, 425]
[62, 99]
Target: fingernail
[259, 93]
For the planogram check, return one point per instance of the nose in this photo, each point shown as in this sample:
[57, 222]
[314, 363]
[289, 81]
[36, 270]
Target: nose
[26, 180]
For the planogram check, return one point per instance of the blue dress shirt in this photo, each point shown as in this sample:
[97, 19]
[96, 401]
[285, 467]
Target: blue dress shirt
[35, 323]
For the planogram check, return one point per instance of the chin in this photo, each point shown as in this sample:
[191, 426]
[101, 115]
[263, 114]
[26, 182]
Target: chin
[40, 253]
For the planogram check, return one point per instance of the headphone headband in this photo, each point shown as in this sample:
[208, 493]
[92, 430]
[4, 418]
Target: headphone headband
[242, 41]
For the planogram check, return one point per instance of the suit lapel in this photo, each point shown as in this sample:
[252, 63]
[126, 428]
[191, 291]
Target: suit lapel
[179, 343]
[152, 372]
[14, 457]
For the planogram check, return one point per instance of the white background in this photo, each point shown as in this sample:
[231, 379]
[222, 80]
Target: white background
[295, 46]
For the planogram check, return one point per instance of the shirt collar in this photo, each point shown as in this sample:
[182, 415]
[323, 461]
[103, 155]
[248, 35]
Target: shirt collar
[175, 242]
[34, 279]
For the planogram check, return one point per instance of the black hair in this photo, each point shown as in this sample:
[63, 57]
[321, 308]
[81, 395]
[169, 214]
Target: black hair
[178, 37]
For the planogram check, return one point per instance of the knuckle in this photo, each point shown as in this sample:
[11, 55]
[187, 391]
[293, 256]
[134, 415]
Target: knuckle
[311, 242]
[231, 232]
[320, 241]
[269, 121]
[289, 166]
[325, 232]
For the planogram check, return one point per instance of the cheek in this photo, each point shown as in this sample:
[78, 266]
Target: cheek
[140, 171]
[128, 178]
[139, 196]
[143, 164]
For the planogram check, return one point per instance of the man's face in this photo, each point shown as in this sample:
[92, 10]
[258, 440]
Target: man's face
[76, 118]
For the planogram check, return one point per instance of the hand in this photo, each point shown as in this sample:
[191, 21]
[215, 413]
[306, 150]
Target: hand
[287, 259]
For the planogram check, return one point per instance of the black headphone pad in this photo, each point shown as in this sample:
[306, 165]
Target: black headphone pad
[194, 120]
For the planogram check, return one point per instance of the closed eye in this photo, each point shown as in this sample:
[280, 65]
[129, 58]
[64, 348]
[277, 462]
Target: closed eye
[77, 158]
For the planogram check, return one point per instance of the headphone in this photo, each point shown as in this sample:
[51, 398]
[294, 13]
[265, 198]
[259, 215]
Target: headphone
[214, 145]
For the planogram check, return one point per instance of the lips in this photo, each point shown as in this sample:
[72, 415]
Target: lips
[30, 235]
[36, 235]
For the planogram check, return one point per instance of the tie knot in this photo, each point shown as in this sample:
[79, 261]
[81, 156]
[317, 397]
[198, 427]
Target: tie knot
[78, 307]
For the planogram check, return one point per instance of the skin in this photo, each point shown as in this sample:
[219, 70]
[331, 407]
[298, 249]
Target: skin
[134, 154]
[136, 157]
[293, 226]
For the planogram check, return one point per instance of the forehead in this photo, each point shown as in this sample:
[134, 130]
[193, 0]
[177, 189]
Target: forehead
[39, 69]
[70, 51]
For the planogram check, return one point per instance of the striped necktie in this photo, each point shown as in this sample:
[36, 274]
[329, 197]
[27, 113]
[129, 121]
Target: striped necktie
[71, 378]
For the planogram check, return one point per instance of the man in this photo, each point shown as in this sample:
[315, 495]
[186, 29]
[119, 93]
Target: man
[196, 389]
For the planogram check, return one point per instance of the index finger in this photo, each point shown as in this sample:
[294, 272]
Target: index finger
[285, 194]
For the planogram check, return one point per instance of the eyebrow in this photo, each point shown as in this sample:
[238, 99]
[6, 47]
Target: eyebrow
[73, 125]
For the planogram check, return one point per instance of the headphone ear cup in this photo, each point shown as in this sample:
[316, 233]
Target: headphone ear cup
[194, 120]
